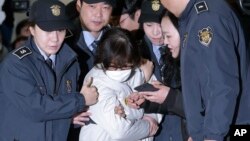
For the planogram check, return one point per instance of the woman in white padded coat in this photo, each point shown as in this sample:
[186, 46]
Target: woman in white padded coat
[115, 75]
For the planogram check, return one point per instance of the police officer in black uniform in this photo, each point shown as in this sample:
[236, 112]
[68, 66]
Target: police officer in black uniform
[38, 81]
[214, 63]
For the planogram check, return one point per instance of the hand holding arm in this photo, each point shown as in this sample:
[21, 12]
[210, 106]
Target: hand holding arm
[119, 110]
[89, 92]
[81, 118]
[153, 125]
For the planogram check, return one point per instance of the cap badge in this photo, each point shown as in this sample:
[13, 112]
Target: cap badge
[205, 36]
[55, 9]
[155, 5]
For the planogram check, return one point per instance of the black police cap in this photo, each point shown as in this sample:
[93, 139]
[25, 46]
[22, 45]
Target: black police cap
[151, 11]
[49, 15]
[111, 2]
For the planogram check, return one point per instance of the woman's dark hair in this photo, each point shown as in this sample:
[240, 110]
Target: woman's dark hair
[17, 40]
[117, 48]
[131, 6]
[22, 24]
[173, 19]
[171, 69]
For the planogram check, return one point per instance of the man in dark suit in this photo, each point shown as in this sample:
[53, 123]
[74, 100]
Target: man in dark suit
[94, 16]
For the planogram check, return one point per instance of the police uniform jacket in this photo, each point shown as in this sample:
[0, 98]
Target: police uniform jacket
[34, 104]
[213, 67]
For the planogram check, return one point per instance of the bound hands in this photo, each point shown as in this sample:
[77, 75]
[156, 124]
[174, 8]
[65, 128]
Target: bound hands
[134, 100]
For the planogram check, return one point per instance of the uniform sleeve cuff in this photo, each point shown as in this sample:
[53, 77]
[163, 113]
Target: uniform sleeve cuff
[170, 98]
[80, 102]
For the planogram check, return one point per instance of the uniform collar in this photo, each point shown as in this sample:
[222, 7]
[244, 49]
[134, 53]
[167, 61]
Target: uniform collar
[65, 53]
[89, 38]
[187, 10]
[52, 57]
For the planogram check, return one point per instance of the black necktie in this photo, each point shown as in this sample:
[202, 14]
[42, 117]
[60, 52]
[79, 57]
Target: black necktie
[163, 52]
[49, 63]
[162, 60]
[94, 46]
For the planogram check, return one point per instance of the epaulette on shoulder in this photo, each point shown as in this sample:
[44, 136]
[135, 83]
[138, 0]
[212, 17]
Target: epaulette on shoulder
[200, 6]
[22, 52]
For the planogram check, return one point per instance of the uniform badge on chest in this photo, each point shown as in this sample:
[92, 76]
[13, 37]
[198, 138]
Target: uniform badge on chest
[69, 86]
[205, 36]
[185, 36]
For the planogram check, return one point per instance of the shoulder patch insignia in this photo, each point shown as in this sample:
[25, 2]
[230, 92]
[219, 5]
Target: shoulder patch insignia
[205, 36]
[22, 52]
[201, 7]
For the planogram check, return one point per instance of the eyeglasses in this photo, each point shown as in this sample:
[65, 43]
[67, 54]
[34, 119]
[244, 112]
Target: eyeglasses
[126, 67]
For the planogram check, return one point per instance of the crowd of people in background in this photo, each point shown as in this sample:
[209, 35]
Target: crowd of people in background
[72, 72]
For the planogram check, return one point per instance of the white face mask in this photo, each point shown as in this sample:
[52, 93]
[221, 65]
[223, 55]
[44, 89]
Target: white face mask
[119, 75]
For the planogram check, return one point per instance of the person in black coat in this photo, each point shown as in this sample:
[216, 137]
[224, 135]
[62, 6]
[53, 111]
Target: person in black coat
[168, 99]
[93, 21]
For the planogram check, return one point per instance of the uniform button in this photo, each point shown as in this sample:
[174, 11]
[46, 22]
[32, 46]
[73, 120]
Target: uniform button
[170, 138]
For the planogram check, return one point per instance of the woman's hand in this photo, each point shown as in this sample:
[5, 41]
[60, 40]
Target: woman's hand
[157, 96]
